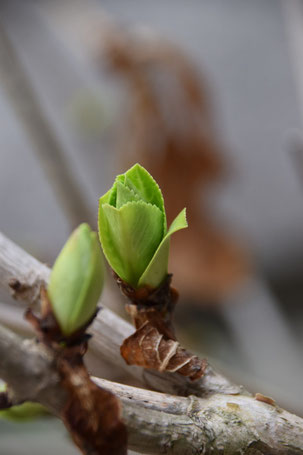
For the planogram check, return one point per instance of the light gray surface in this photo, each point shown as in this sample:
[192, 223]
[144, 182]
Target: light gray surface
[243, 50]
[29, 212]
[270, 351]
[44, 436]
[34, 438]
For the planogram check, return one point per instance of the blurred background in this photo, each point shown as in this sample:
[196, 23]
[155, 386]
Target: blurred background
[208, 96]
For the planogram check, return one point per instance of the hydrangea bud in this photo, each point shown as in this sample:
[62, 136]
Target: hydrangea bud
[133, 230]
[76, 280]
[22, 412]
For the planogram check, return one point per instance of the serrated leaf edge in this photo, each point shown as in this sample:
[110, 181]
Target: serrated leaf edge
[144, 280]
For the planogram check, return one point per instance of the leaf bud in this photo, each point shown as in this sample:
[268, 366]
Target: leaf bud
[133, 230]
[76, 280]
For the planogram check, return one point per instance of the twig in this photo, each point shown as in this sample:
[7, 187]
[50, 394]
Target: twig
[25, 367]
[159, 423]
[11, 316]
[23, 275]
[155, 422]
[221, 423]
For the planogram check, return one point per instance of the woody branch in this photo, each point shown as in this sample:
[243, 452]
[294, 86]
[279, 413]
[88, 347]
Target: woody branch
[217, 413]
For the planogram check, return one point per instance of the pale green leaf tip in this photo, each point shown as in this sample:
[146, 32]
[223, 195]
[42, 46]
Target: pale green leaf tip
[180, 222]
[156, 271]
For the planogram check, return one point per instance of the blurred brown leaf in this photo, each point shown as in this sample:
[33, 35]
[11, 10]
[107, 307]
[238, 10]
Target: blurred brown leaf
[149, 348]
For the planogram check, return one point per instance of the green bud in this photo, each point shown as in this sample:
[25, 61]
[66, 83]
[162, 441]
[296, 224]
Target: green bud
[133, 230]
[22, 412]
[76, 280]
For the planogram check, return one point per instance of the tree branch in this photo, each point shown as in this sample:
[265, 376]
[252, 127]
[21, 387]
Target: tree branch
[23, 275]
[218, 418]
[239, 424]
[160, 423]
[25, 366]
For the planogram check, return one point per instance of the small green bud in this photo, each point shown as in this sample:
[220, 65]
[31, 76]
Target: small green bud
[76, 280]
[133, 231]
[22, 412]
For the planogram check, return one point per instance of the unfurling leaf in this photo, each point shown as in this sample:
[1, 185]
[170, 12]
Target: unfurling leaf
[133, 231]
[76, 280]
[153, 274]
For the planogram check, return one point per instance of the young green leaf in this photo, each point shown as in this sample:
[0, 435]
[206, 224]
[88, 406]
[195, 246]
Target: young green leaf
[142, 183]
[130, 236]
[124, 195]
[157, 268]
[133, 231]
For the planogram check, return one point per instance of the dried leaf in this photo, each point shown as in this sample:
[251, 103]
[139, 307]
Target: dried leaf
[149, 348]
[154, 344]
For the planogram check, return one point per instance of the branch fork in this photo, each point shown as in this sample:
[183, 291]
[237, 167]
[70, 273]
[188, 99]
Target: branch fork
[91, 414]
[212, 415]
